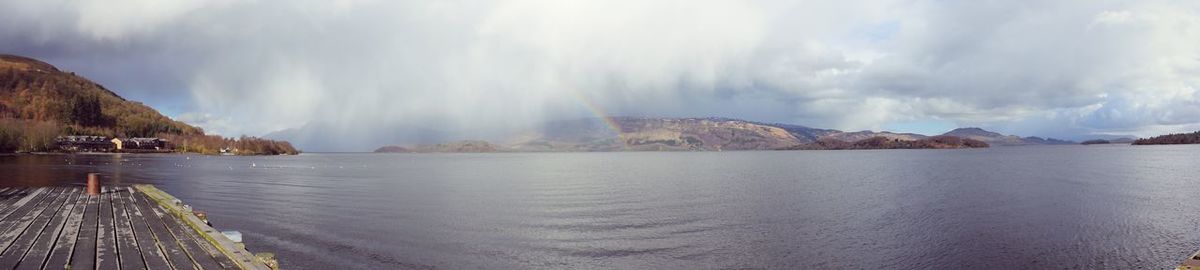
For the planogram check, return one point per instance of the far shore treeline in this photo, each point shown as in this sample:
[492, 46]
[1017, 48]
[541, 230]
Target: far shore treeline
[38, 103]
[1179, 138]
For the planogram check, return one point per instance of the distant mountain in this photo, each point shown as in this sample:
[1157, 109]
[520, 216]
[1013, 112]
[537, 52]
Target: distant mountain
[643, 134]
[880, 142]
[973, 132]
[1040, 140]
[468, 146]
[717, 134]
[998, 139]
[803, 133]
[989, 137]
[393, 149]
[1125, 140]
[867, 134]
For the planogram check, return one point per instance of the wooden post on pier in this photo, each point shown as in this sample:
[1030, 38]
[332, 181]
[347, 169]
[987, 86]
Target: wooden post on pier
[93, 184]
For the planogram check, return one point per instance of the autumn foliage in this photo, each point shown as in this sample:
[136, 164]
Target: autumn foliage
[245, 145]
[39, 102]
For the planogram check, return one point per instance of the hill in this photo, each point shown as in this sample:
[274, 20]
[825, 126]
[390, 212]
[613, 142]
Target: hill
[36, 91]
[998, 139]
[1125, 140]
[986, 136]
[978, 134]
[803, 133]
[465, 146]
[38, 102]
[867, 134]
[718, 134]
[655, 134]
[880, 142]
[1040, 140]
[1179, 138]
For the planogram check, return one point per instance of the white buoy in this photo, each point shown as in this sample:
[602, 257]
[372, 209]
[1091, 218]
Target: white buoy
[234, 236]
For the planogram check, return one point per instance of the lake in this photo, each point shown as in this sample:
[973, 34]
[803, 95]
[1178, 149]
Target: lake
[1100, 206]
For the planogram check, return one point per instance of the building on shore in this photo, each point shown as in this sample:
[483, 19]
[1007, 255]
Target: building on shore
[84, 144]
[141, 144]
[106, 144]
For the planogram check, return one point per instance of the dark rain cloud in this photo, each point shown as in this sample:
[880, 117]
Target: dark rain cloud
[375, 72]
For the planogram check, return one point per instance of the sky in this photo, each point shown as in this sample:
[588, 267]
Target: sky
[349, 75]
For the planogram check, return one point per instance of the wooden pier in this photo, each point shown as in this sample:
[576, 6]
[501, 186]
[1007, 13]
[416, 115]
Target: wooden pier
[124, 227]
[1191, 263]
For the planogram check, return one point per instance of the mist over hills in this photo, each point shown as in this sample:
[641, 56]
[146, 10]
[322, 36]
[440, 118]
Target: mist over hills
[62, 103]
[690, 134]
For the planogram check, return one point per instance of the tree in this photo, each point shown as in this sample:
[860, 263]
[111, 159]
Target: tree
[86, 111]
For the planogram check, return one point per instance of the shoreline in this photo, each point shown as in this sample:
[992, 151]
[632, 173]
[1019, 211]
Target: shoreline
[123, 153]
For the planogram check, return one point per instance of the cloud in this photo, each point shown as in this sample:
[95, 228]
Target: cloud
[376, 72]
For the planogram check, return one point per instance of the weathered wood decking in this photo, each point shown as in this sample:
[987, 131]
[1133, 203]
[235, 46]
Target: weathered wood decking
[123, 228]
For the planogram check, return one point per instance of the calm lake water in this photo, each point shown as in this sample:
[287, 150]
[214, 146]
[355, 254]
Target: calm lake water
[1110, 206]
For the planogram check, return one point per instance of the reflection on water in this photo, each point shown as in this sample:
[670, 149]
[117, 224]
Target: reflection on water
[1112, 206]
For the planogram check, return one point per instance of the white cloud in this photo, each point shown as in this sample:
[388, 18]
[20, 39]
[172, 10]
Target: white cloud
[465, 67]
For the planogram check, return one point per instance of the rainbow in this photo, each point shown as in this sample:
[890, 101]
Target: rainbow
[599, 112]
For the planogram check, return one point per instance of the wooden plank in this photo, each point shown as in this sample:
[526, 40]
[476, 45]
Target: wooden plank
[174, 237]
[18, 191]
[191, 233]
[130, 253]
[60, 256]
[40, 249]
[8, 198]
[35, 196]
[175, 255]
[240, 256]
[23, 206]
[201, 252]
[9, 192]
[106, 244]
[20, 220]
[151, 252]
[83, 254]
[209, 248]
[34, 232]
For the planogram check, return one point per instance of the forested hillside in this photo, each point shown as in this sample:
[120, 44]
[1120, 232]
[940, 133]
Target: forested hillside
[39, 102]
[1179, 138]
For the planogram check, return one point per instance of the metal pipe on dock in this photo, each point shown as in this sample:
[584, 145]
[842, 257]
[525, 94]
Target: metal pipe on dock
[93, 184]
